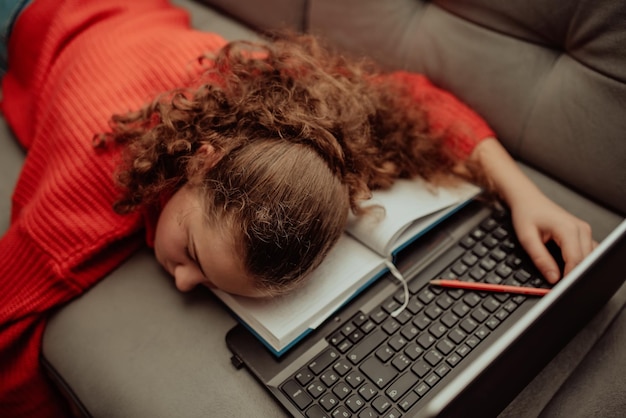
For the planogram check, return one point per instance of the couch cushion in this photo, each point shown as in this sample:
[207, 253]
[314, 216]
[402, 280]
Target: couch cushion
[268, 15]
[550, 78]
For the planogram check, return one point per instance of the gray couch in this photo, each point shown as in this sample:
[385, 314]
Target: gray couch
[549, 76]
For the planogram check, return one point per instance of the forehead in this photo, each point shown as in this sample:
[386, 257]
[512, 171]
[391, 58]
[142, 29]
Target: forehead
[220, 254]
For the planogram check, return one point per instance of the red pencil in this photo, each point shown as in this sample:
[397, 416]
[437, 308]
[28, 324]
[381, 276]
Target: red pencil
[488, 287]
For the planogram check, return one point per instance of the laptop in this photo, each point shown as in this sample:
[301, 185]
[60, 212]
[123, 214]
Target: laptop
[450, 352]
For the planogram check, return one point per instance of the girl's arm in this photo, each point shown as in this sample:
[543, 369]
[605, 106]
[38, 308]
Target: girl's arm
[536, 218]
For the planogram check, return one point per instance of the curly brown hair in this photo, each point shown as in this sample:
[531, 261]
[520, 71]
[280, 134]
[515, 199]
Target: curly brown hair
[304, 135]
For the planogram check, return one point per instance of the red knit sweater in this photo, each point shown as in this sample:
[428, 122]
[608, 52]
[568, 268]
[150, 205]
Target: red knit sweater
[73, 64]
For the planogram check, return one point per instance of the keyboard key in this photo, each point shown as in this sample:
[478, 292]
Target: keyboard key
[472, 299]
[461, 309]
[336, 338]
[472, 341]
[442, 370]
[480, 250]
[522, 276]
[414, 306]
[368, 413]
[341, 390]
[344, 346]
[468, 325]
[368, 326]
[341, 412]
[342, 367]
[420, 368]
[316, 412]
[329, 401]
[379, 373]
[384, 353]
[444, 301]
[459, 269]
[504, 271]
[304, 376]
[413, 351]
[478, 234]
[348, 329]
[401, 362]
[453, 359]
[467, 242]
[455, 293]
[421, 389]
[397, 342]
[379, 316]
[488, 264]
[491, 304]
[393, 413]
[502, 314]
[390, 305]
[316, 389]
[491, 242]
[498, 254]
[355, 402]
[477, 273]
[433, 357]
[355, 379]
[445, 346]
[381, 404]
[359, 319]
[329, 378]
[426, 296]
[463, 350]
[368, 391]
[457, 335]
[401, 386]
[432, 379]
[410, 331]
[449, 319]
[469, 259]
[426, 340]
[489, 224]
[323, 360]
[500, 233]
[492, 323]
[421, 321]
[296, 394]
[433, 311]
[510, 306]
[438, 329]
[482, 332]
[391, 325]
[408, 401]
[479, 314]
[366, 346]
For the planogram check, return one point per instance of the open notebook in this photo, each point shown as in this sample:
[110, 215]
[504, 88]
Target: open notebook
[401, 215]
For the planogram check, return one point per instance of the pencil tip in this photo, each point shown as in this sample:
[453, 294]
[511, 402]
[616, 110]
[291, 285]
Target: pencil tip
[435, 281]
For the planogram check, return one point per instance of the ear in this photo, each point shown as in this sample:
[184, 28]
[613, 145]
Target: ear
[211, 155]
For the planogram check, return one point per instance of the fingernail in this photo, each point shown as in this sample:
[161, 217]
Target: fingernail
[552, 276]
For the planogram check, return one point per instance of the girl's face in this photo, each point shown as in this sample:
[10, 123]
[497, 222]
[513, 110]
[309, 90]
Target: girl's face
[195, 253]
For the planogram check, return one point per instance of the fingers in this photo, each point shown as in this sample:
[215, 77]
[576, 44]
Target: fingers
[541, 257]
[577, 245]
[574, 240]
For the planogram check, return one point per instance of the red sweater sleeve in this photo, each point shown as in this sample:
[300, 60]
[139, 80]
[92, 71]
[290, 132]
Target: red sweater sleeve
[460, 126]
[74, 63]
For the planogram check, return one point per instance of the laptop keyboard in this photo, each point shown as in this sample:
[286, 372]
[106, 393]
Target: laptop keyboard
[377, 365]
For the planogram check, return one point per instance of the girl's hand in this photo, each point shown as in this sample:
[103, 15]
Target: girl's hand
[536, 218]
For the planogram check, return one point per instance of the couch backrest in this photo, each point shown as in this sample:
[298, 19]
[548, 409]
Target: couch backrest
[548, 75]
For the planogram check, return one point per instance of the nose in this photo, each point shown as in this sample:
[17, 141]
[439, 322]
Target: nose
[186, 277]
